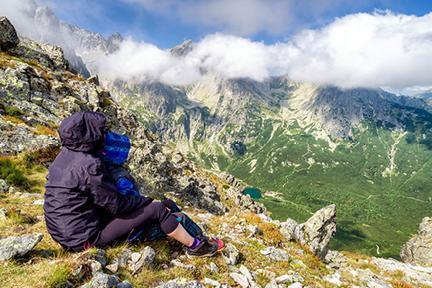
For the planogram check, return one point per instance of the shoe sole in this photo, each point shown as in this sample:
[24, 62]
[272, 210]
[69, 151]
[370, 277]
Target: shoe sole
[204, 255]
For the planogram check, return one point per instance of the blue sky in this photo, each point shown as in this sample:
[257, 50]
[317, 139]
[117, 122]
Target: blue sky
[167, 23]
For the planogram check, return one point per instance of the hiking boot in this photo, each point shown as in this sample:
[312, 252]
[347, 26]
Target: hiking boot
[220, 243]
[206, 248]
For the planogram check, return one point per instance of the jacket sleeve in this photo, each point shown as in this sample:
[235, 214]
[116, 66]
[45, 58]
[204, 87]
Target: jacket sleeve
[105, 195]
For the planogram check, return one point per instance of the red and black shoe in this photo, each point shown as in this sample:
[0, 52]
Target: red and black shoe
[206, 248]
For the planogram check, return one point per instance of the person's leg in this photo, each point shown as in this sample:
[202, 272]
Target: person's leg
[181, 235]
[119, 228]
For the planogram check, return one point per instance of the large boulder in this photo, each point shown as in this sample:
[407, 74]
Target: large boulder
[418, 250]
[18, 246]
[8, 36]
[315, 233]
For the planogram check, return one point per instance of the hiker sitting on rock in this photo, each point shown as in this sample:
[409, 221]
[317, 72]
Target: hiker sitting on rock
[91, 200]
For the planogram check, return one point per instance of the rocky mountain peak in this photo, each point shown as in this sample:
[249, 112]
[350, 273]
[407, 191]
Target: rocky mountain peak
[183, 49]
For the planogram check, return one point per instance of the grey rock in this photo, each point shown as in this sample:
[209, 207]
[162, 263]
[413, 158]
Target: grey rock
[180, 283]
[102, 280]
[100, 256]
[296, 285]
[287, 228]
[113, 267]
[8, 35]
[212, 283]
[177, 263]
[124, 284]
[240, 279]
[138, 260]
[39, 202]
[334, 279]
[418, 250]
[3, 213]
[335, 259]
[413, 273]
[276, 254]
[18, 246]
[123, 258]
[272, 284]
[93, 79]
[95, 266]
[230, 254]
[4, 187]
[213, 267]
[318, 230]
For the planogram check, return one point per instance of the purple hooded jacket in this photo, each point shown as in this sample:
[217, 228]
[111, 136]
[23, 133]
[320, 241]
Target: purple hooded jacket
[79, 191]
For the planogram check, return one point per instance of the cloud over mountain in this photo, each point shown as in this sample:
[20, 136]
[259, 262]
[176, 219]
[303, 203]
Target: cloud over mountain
[370, 50]
[380, 49]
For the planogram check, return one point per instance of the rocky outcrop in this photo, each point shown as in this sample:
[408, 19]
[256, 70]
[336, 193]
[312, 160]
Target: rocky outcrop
[8, 35]
[316, 232]
[418, 250]
[102, 280]
[18, 246]
[418, 275]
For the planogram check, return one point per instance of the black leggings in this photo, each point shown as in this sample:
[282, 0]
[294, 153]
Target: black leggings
[119, 228]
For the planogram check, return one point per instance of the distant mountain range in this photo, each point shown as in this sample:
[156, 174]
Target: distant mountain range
[367, 150]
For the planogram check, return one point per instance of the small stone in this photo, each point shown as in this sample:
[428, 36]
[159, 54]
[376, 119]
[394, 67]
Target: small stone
[135, 256]
[334, 279]
[18, 246]
[284, 279]
[296, 285]
[245, 271]
[95, 267]
[213, 267]
[253, 231]
[275, 253]
[39, 202]
[100, 257]
[4, 187]
[146, 257]
[177, 263]
[124, 284]
[230, 254]
[113, 267]
[123, 258]
[177, 158]
[3, 214]
[93, 79]
[102, 280]
[240, 279]
[212, 283]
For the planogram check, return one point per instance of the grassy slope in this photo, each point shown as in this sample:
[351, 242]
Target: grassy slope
[372, 209]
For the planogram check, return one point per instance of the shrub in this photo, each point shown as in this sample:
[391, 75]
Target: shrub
[12, 174]
[44, 156]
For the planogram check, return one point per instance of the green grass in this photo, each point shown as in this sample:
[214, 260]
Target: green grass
[12, 174]
[372, 209]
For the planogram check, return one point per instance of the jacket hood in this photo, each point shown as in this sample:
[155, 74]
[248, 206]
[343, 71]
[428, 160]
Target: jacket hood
[83, 131]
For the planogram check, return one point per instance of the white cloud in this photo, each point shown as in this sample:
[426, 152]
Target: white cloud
[379, 49]
[369, 50]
